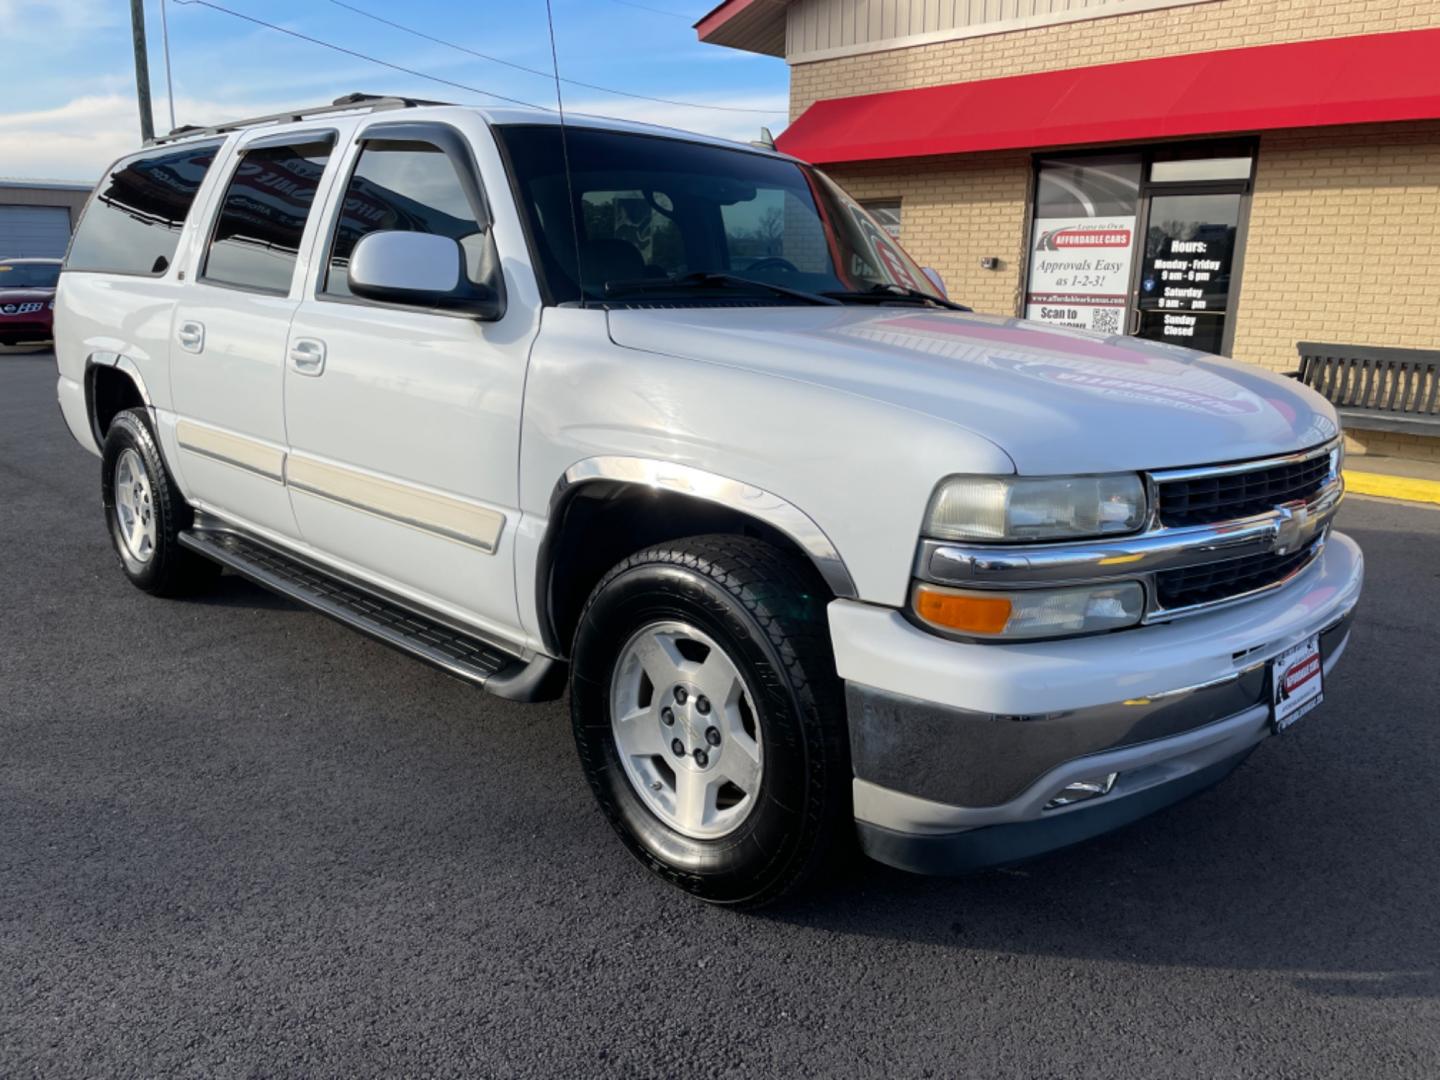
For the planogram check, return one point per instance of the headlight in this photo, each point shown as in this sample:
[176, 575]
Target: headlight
[1030, 613]
[1036, 508]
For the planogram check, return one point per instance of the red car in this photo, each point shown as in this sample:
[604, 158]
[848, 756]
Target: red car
[27, 299]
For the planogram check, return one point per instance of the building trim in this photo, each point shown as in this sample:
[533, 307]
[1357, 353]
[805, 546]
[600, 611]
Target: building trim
[1114, 9]
[756, 26]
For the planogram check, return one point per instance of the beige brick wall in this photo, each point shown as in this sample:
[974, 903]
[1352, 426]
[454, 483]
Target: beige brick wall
[953, 212]
[1344, 241]
[1344, 238]
[1221, 24]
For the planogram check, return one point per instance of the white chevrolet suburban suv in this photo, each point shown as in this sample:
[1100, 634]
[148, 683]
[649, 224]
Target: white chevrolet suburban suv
[674, 423]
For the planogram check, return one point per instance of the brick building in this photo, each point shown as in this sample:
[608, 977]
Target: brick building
[1233, 175]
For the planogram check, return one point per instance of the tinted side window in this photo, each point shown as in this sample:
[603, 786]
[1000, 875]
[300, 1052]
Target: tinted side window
[134, 220]
[407, 186]
[262, 217]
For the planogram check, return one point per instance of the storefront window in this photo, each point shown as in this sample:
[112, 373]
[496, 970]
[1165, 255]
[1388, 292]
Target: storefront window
[1146, 243]
[1195, 169]
[886, 212]
[1185, 275]
[1082, 242]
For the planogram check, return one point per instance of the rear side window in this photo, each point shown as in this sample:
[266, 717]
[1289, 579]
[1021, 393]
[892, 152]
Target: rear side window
[409, 186]
[256, 239]
[133, 222]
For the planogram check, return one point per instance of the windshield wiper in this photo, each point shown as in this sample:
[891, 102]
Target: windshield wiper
[888, 290]
[710, 280]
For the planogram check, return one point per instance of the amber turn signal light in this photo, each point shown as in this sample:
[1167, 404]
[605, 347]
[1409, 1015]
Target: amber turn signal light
[962, 612]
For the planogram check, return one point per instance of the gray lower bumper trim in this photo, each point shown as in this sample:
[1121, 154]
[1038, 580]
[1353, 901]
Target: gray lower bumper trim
[977, 759]
[1001, 845]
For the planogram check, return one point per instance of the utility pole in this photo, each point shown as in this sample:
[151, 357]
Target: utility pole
[169, 82]
[142, 70]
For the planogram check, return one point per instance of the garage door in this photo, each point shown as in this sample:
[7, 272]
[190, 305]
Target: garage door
[33, 230]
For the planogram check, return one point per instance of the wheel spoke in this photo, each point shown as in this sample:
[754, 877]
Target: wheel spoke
[740, 763]
[660, 659]
[638, 734]
[694, 798]
[718, 680]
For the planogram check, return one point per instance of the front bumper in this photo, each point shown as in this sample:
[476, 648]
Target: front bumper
[26, 326]
[959, 749]
[24, 331]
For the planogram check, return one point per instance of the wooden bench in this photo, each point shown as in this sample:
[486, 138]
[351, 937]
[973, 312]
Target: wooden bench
[1376, 389]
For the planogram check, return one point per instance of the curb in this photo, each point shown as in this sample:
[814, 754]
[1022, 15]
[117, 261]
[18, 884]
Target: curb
[1384, 486]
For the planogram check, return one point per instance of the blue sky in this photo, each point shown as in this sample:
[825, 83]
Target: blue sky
[70, 92]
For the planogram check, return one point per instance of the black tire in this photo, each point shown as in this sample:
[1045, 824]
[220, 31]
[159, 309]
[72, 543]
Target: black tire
[766, 609]
[170, 570]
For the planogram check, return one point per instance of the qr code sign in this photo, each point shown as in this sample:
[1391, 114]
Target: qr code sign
[1105, 320]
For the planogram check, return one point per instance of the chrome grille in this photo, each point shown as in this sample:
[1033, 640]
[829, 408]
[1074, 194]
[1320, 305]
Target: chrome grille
[1212, 583]
[1227, 496]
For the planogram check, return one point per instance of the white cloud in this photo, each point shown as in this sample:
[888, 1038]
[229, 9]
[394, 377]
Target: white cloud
[75, 141]
[56, 20]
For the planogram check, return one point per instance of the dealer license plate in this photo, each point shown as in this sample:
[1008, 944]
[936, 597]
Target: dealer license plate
[1297, 683]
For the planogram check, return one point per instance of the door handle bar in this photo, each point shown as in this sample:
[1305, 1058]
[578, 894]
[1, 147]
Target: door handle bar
[191, 336]
[307, 356]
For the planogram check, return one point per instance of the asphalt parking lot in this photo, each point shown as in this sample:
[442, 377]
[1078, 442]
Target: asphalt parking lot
[238, 839]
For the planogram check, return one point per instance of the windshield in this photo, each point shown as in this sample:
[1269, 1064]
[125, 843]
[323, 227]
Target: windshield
[654, 210]
[19, 275]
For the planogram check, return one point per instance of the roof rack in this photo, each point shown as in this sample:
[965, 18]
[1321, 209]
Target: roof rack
[347, 103]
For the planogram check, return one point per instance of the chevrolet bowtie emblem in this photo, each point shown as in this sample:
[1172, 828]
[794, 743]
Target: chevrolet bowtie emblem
[1294, 529]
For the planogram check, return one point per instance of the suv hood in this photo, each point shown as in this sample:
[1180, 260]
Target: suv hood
[1056, 400]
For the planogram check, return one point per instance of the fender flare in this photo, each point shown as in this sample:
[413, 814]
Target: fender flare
[780, 514]
[754, 502]
[120, 362]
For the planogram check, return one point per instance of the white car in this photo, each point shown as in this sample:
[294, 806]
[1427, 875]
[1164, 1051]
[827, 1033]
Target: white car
[674, 422]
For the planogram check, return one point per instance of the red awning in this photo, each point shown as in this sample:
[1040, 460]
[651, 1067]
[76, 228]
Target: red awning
[1354, 80]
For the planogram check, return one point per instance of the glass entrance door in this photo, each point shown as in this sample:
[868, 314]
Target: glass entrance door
[1147, 243]
[1186, 268]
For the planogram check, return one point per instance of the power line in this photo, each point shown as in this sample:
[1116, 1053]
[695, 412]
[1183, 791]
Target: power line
[365, 56]
[654, 10]
[546, 74]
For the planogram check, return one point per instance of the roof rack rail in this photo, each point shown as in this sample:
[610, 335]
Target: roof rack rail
[345, 103]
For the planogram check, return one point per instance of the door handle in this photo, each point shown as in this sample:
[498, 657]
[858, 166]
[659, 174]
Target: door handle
[307, 356]
[191, 336]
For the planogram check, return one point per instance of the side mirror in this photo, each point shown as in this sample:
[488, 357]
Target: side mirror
[936, 280]
[425, 271]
